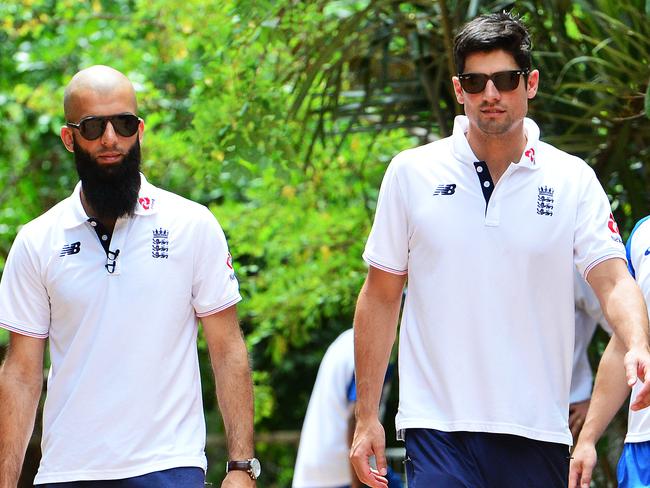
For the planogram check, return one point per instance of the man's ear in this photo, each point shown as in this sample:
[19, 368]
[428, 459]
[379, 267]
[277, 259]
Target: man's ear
[458, 90]
[141, 130]
[68, 138]
[533, 84]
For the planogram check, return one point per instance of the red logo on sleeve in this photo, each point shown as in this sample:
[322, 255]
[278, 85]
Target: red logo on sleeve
[611, 223]
[229, 261]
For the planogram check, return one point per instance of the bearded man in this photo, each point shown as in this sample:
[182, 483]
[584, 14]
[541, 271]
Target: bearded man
[117, 277]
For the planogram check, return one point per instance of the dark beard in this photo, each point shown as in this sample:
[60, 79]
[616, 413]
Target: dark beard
[112, 192]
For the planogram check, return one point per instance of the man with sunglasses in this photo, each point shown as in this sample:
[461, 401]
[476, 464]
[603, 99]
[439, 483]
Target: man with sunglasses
[487, 225]
[117, 277]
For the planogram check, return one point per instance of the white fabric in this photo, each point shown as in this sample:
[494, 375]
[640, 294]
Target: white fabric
[486, 341]
[124, 393]
[588, 315]
[323, 452]
[638, 424]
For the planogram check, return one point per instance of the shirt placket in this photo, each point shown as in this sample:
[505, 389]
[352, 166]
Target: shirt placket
[490, 191]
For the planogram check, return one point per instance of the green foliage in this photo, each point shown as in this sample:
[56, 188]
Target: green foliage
[281, 117]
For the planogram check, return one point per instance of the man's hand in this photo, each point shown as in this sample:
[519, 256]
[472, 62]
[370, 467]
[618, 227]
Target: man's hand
[637, 365]
[369, 440]
[577, 415]
[582, 465]
[238, 479]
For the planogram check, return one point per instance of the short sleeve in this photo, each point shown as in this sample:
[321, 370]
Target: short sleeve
[596, 236]
[214, 284]
[24, 302]
[387, 246]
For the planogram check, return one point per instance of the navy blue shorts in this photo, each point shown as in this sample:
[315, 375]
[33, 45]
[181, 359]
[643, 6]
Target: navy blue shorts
[483, 460]
[191, 477]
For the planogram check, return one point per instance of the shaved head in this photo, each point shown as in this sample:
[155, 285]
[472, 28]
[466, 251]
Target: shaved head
[96, 83]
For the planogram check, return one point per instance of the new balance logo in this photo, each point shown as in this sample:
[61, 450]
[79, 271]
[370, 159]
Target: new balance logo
[449, 189]
[69, 249]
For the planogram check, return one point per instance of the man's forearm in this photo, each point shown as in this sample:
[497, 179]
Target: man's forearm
[375, 324]
[622, 302]
[610, 392]
[18, 404]
[232, 376]
[235, 397]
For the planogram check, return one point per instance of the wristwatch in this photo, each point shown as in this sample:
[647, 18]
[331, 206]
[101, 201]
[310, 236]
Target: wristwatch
[251, 466]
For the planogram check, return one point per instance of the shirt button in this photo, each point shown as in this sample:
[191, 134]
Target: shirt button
[486, 184]
[93, 223]
[479, 169]
[104, 237]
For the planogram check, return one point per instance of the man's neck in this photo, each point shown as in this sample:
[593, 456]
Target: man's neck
[497, 151]
[108, 223]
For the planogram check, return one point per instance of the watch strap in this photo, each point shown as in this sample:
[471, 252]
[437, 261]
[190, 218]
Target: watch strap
[240, 466]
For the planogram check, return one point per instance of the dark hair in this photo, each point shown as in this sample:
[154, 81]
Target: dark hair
[492, 32]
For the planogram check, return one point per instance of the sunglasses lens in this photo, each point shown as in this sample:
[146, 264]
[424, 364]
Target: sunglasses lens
[126, 125]
[473, 82]
[506, 80]
[92, 128]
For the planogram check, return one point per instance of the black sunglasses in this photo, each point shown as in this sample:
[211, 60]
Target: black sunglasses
[93, 127]
[504, 81]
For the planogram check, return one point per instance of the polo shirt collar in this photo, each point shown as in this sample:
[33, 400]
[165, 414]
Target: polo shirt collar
[74, 213]
[463, 152]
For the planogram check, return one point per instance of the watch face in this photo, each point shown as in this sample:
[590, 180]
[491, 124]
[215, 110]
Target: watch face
[256, 468]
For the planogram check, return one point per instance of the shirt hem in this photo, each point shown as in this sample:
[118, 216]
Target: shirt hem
[604, 258]
[492, 428]
[18, 330]
[114, 474]
[636, 438]
[382, 267]
[220, 307]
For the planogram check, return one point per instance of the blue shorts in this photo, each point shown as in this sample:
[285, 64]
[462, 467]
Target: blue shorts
[191, 477]
[483, 460]
[633, 469]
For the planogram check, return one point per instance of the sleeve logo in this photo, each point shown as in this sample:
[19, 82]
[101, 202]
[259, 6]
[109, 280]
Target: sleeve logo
[613, 227]
[229, 264]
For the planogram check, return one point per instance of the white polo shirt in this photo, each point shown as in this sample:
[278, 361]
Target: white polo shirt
[323, 454]
[486, 341]
[638, 252]
[123, 392]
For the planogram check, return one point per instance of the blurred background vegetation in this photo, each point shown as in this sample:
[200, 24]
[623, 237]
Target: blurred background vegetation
[281, 116]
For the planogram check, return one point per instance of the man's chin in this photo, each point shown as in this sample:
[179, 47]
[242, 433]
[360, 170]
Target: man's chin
[108, 164]
[110, 169]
